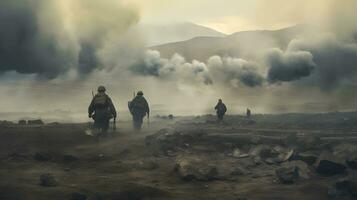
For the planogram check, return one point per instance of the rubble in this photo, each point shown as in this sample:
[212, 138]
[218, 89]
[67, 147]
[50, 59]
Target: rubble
[196, 170]
[303, 168]
[169, 139]
[287, 175]
[308, 157]
[329, 164]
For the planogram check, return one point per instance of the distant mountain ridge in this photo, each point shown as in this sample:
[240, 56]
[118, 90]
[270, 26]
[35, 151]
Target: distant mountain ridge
[238, 44]
[162, 34]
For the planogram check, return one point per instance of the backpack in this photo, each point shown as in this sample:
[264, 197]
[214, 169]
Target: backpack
[100, 100]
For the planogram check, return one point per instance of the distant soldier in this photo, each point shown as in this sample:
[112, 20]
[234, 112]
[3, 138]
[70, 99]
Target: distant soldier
[249, 113]
[101, 109]
[221, 109]
[139, 108]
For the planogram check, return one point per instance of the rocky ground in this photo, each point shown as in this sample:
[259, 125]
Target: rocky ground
[296, 157]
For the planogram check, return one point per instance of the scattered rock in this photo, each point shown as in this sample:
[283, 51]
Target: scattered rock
[47, 180]
[308, 157]
[170, 139]
[196, 170]
[236, 153]
[292, 171]
[329, 165]
[78, 196]
[287, 175]
[263, 151]
[42, 156]
[303, 168]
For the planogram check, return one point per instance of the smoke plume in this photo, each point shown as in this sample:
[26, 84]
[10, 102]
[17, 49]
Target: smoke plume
[49, 38]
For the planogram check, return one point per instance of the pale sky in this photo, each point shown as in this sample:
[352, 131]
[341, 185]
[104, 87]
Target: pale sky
[229, 16]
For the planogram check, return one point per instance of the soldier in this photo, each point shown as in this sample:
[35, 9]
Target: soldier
[221, 109]
[249, 113]
[139, 108]
[101, 109]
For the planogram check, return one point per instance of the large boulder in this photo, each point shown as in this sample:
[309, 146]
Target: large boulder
[195, 169]
[291, 172]
[329, 164]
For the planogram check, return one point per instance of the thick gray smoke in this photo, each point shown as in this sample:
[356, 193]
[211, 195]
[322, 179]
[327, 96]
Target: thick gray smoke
[235, 71]
[49, 38]
[335, 58]
[23, 47]
[289, 66]
[231, 71]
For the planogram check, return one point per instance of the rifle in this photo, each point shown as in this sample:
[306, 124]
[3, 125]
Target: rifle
[148, 119]
[115, 124]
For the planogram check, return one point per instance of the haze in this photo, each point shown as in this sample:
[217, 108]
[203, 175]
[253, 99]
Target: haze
[53, 54]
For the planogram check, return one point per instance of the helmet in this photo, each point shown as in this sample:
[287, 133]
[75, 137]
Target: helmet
[101, 89]
[140, 93]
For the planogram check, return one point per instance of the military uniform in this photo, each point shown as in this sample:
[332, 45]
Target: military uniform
[101, 109]
[221, 110]
[139, 107]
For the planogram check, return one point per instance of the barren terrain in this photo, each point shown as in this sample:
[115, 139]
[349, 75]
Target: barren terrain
[266, 157]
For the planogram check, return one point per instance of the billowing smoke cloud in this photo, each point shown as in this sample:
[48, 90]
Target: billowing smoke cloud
[235, 71]
[23, 47]
[232, 71]
[153, 65]
[335, 58]
[51, 37]
[289, 66]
